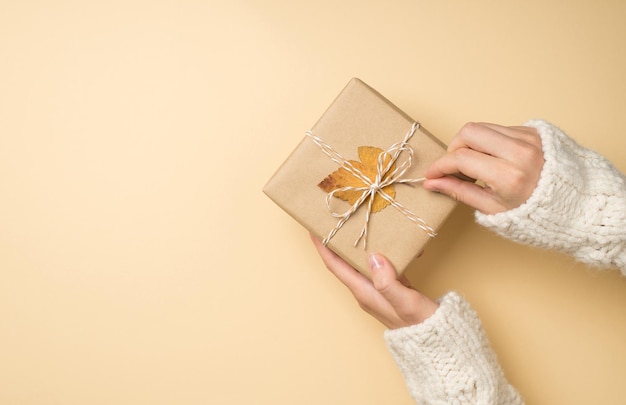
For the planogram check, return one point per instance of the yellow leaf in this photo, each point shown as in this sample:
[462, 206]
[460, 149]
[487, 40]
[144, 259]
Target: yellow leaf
[368, 166]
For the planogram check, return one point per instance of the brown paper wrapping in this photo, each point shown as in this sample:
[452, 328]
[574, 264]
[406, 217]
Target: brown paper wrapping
[360, 116]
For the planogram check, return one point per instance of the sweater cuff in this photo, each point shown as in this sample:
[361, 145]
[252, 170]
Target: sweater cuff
[447, 357]
[578, 206]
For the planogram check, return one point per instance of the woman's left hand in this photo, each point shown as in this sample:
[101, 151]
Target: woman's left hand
[387, 297]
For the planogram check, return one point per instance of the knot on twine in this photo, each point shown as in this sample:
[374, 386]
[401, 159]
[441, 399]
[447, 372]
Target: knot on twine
[371, 188]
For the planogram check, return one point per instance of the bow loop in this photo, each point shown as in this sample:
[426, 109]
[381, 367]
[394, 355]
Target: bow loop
[383, 177]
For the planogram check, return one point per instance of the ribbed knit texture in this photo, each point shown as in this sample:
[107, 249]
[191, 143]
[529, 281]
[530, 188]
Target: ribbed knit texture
[447, 359]
[578, 207]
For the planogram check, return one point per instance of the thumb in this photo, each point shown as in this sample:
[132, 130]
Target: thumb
[385, 280]
[410, 306]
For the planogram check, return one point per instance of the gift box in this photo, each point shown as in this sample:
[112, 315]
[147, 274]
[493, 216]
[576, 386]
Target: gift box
[354, 181]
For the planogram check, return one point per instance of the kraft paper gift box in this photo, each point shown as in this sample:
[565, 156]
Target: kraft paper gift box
[358, 117]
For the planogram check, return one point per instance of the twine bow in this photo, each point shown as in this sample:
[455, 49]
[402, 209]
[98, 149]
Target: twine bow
[383, 179]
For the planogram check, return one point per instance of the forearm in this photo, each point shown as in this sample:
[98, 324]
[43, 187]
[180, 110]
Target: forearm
[578, 207]
[447, 359]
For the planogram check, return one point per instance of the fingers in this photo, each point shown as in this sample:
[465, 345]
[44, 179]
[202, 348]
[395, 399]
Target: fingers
[468, 193]
[495, 140]
[360, 286]
[507, 160]
[468, 162]
[525, 134]
[342, 270]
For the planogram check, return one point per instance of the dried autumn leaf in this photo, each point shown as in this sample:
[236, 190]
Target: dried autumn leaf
[342, 178]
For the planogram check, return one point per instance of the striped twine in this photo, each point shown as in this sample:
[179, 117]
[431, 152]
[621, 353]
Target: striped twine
[383, 179]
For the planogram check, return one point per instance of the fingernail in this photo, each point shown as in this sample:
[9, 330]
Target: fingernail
[376, 262]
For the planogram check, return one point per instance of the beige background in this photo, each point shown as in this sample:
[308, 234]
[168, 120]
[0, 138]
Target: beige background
[141, 264]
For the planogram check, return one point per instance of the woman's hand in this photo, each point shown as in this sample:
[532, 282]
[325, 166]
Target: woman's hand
[386, 297]
[506, 160]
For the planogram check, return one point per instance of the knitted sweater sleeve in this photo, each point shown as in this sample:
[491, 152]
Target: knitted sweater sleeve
[447, 359]
[578, 206]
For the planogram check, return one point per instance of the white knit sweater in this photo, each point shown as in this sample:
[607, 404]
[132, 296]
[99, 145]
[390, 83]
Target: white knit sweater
[578, 207]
